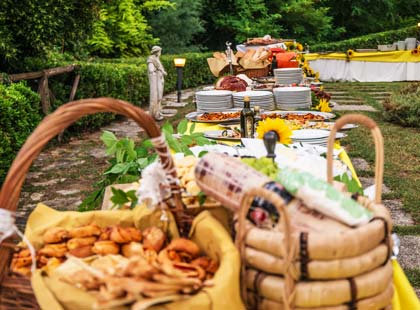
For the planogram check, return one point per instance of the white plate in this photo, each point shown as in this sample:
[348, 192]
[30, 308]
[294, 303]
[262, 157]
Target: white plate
[218, 135]
[309, 134]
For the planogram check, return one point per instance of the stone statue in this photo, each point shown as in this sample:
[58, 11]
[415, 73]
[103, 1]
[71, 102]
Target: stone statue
[156, 74]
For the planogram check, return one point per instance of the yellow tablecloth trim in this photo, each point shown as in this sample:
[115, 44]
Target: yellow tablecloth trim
[394, 56]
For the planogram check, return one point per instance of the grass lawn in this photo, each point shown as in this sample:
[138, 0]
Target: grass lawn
[402, 149]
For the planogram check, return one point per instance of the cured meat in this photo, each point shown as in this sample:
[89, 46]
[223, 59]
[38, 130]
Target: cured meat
[232, 83]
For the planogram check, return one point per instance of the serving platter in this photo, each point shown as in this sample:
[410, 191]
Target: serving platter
[283, 114]
[194, 116]
[220, 135]
[328, 126]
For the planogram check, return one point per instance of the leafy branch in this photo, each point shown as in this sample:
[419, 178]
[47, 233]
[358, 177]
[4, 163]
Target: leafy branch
[128, 161]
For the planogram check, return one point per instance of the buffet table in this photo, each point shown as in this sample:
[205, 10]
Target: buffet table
[366, 67]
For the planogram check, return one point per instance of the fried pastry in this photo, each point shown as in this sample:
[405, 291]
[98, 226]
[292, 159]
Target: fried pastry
[80, 242]
[55, 235]
[54, 250]
[105, 247]
[153, 238]
[82, 252]
[132, 249]
[208, 264]
[184, 245]
[125, 234]
[85, 231]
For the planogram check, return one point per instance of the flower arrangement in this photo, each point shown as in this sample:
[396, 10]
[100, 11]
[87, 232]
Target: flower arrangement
[277, 125]
[320, 100]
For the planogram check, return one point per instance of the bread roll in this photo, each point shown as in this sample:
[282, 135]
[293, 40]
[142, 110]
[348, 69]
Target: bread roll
[153, 238]
[85, 231]
[55, 235]
[54, 250]
[80, 242]
[105, 247]
[82, 252]
[125, 234]
[132, 249]
[249, 54]
[184, 245]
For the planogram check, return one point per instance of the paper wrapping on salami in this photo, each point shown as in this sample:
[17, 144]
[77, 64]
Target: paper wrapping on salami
[226, 179]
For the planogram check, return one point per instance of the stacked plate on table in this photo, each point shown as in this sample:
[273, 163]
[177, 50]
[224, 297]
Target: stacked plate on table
[213, 100]
[288, 75]
[261, 98]
[313, 136]
[292, 98]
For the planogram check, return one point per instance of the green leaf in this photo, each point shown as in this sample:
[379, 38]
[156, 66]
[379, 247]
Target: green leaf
[202, 153]
[132, 195]
[201, 198]
[167, 128]
[119, 197]
[352, 185]
[118, 168]
[192, 128]
[182, 126]
[142, 151]
[110, 141]
[188, 140]
[142, 162]
[147, 144]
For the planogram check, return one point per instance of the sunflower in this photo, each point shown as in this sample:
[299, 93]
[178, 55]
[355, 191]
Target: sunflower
[277, 125]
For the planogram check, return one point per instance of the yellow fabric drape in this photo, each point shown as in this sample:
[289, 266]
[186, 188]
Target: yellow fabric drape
[394, 56]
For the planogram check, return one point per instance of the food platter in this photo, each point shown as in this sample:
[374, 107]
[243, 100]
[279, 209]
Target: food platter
[300, 115]
[219, 117]
[328, 126]
[227, 134]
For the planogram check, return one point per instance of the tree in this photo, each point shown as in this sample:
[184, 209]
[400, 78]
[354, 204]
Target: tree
[122, 29]
[236, 21]
[31, 27]
[360, 17]
[304, 20]
[178, 26]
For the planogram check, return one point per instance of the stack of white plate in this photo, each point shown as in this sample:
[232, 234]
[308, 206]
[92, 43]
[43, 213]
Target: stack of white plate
[213, 100]
[292, 98]
[288, 75]
[261, 98]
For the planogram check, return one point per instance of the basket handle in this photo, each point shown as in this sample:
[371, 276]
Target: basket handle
[289, 281]
[379, 148]
[64, 116]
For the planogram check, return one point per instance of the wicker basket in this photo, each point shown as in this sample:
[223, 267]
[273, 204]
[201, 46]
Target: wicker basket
[300, 256]
[255, 73]
[15, 290]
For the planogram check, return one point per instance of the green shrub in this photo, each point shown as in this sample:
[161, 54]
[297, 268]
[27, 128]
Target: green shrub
[403, 107]
[367, 41]
[20, 113]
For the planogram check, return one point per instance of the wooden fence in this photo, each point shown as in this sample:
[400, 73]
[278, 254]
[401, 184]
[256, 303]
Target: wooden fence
[43, 88]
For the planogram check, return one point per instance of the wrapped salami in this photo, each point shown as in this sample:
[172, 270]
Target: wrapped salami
[323, 197]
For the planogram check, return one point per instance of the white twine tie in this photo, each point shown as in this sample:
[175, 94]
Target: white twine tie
[8, 228]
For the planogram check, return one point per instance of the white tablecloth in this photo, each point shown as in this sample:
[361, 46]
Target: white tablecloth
[365, 71]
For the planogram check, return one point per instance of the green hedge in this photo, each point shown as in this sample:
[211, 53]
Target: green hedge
[367, 41]
[403, 107]
[20, 113]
